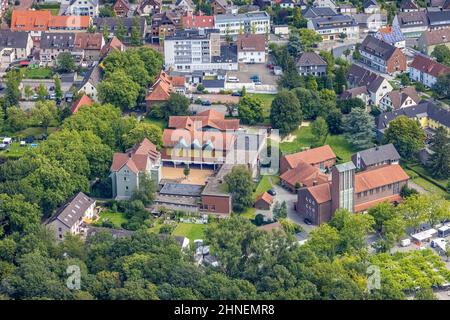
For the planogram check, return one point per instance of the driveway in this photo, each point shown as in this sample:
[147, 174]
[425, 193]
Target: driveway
[197, 108]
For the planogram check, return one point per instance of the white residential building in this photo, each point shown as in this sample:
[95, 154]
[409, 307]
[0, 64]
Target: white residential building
[251, 48]
[426, 71]
[256, 22]
[331, 28]
[83, 8]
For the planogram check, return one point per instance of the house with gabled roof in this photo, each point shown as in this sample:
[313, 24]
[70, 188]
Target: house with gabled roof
[392, 35]
[264, 201]
[321, 157]
[127, 168]
[412, 24]
[408, 6]
[426, 70]
[90, 82]
[303, 175]
[163, 87]
[377, 156]
[371, 6]
[70, 217]
[84, 100]
[310, 63]
[432, 38]
[121, 8]
[149, 7]
[401, 98]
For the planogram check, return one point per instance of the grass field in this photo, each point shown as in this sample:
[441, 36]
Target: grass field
[37, 73]
[250, 213]
[116, 218]
[305, 139]
[264, 184]
[191, 231]
[34, 131]
[14, 151]
[157, 122]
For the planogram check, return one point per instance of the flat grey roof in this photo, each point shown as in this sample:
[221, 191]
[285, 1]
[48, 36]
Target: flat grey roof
[345, 166]
[180, 189]
[242, 16]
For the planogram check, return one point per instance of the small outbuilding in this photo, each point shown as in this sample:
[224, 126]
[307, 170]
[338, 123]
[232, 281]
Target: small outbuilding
[264, 201]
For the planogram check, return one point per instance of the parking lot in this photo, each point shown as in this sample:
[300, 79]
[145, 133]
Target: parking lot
[247, 70]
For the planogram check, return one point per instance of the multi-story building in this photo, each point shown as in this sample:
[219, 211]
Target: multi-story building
[371, 7]
[90, 44]
[392, 35]
[322, 158]
[149, 7]
[112, 23]
[335, 27]
[408, 6]
[426, 70]
[19, 42]
[256, 22]
[325, 3]
[127, 169]
[54, 43]
[83, 8]
[70, 218]
[164, 24]
[310, 63]
[382, 56]
[190, 50]
[190, 21]
[412, 24]
[121, 8]
[432, 38]
[318, 12]
[438, 20]
[401, 98]
[251, 48]
[370, 22]
[376, 156]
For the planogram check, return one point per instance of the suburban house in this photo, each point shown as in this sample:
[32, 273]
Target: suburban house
[251, 48]
[401, 98]
[412, 24]
[70, 217]
[165, 24]
[438, 20]
[392, 35]
[310, 63]
[347, 8]
[219, 7]
[437, 5]
[426, 70]
[90, 82]
[110, 23]
[256, 22]
[83, 8]
[382, 56]
[90, 44]
[332, 28]
[280, 30]
[366, 85]
[318, 12]
[113, 44]
[19, 42]
[371, 7]
[190, 21]
[37, 21]
[321, 157]
[432, 38]
[264, 201]
[127, 169]
[148, 7]
[163, 87]
[121, 8]
[285, 3]
[429, 115]
[84, 100]
[325, 3]
[408, 6]
[303, 175]
[377, 156]
[370, 22]
[351, 190]
[182, 51]
[185, 5]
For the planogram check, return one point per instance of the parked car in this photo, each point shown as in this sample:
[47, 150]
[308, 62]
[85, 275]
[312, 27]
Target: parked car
[307, 221]
[272, 192]
[236, 94]
[233, 79]
[206, 103]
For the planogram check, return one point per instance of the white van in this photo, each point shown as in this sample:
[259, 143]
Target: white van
[233, 79]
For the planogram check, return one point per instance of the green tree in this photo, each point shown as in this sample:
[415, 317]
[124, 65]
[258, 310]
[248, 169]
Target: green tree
[319, 129]
[44, 114]
[65, 62]
[58, 89]
[240, 185]
[106, 11]
[119, 89]
[143, 130]
[186, 171]
[120, 31]
[136, 37]
[16, 119]
[425, 293]
[359, 128]
[442, 54]
[340, 81]
[280, 210]
[348, 105]
[309, 38]
[17, 215]
[176, 105]
[294, 46]
[285, 112]
[250, 110]
[334, 121]
[105, 32]
[406, 135]
[440, 159]
[42, 92]
[28, 91]
[12, 92]
[146, 190]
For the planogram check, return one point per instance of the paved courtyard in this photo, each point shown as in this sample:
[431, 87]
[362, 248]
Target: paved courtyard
[196, 176]
[248, 70]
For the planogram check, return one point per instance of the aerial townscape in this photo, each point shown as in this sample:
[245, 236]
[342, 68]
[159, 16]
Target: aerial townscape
[225, 149]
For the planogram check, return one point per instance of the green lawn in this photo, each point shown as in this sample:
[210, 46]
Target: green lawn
[157, 122]
[427, 185]
[424, 171]
[266, 99]
[34, 131]
[191, 231]
[305, 139]
[250, 213]
[116, 218]
[264, 184]
[37, 73]
[14, 151]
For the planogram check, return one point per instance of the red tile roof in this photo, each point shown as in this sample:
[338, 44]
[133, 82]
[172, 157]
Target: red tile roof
[90, 41]
[194, 22]
[219, 140]
[311, 156]
[367, 205]
[378, 177]
[304, 174]
[321, 192]
[136, 158]
[113, 44]
[69, 22]
[84, 100]
[267, 198]
[429, 66]
[251, 42]
[164, 86]
[42, 20]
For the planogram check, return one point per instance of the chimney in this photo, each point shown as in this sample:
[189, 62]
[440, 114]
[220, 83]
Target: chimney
[129, 154]
[315, 183]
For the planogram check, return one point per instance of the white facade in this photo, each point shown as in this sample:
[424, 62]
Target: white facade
[422, 77]
[325, 3]
[333, 32]
[386, 103]
[381, 91]
[90, 90]
[252, 57]
[252, 22]
[83, 8]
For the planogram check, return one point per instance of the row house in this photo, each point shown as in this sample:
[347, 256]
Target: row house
[20, 43]
[335, 27]
[426, 70]
[112, 23]
[382, 56]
